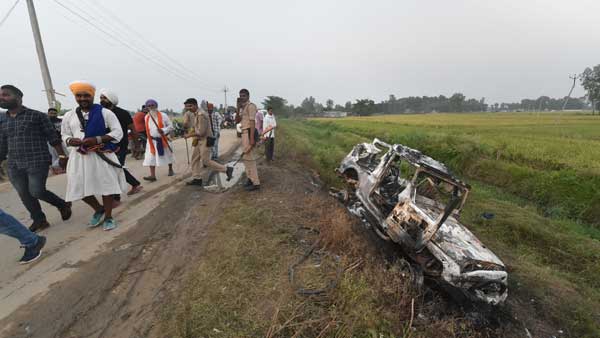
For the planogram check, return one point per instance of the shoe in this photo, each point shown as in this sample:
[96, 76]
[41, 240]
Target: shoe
[109, 224]
[229, 173]
[150, 178]
[96, 219]
[248, 183]
[171, 172]
[39, 226]
[34, 252]
[253, 187]
[135, 190]
[66, 212]
[195, 181]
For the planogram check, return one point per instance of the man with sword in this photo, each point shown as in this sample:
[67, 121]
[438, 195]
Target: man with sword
[92, 133]
[158, 149]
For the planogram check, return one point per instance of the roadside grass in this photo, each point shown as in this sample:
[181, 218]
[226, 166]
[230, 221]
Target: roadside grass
[240, 286]
[553, 261]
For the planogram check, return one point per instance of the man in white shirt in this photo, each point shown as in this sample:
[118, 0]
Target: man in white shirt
[93, 133]
[269, 125]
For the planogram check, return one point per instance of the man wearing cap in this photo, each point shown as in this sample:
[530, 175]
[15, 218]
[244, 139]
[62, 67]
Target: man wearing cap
[93, 134]
[24, 137]
[198, 122]
[110, 100]
[158, 149]
[247, 114]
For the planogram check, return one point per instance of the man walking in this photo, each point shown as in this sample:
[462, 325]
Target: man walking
[216, 120]
[158, 150]
[269, 125]
[199, 123]
[247, 114]
[24, 137]
[56, 122]
[110, 100]
[93, 133]
[32, 243]
[139, 123]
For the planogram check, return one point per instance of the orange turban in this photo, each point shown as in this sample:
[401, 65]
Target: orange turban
[82, 87]
[210, 106]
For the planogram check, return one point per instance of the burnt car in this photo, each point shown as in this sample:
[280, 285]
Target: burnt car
[413, 200]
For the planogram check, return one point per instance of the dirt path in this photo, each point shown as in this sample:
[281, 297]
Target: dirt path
[116, 293]
[93, 273]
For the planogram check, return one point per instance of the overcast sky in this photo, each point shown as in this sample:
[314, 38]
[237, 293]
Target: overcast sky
[501, 50]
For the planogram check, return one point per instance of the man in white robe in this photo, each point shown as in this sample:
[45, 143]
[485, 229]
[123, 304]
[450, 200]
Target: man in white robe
[158, 149]
[92, 134]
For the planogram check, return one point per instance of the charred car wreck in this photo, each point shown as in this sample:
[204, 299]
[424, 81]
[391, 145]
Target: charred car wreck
[413, 200]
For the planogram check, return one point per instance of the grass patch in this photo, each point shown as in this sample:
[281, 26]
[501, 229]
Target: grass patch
[552, 260]
[240, 286]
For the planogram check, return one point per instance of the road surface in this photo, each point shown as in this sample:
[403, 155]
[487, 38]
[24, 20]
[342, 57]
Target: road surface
[70, 243]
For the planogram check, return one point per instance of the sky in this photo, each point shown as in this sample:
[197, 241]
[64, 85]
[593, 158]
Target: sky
[341, 50]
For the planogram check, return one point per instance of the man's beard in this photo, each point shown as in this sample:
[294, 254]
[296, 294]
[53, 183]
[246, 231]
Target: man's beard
[9, 105]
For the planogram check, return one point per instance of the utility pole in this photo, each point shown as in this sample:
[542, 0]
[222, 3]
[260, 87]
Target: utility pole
[225, 90]
[574, 78]
[41, 55]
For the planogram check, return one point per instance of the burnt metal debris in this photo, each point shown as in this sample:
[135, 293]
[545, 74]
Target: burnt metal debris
[413, 200]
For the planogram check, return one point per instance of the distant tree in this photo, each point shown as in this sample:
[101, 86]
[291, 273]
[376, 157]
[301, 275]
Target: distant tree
[364, 107]
[456, 102]
[590, 80]
[170, 112]
[310, 106]
[338, 107]
[279, 104]
[348, 106]
[329, 104]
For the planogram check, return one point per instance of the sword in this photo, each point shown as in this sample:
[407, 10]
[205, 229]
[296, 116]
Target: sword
[162, 136]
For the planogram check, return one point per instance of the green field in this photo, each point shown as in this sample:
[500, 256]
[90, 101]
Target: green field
[538, 173]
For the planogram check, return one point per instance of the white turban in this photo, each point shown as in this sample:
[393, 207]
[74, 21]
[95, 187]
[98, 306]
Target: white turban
[110, 95]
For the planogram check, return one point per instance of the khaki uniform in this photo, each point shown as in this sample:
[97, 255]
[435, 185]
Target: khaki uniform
[200, 122]
[248, 114]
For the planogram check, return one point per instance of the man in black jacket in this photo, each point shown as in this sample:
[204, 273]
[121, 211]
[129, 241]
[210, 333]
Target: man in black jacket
[109, 100]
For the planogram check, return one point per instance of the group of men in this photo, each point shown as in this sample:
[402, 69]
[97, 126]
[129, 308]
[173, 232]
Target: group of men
[96, 138]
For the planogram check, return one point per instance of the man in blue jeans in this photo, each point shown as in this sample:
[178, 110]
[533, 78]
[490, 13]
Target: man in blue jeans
[24, 135]
[32, 243]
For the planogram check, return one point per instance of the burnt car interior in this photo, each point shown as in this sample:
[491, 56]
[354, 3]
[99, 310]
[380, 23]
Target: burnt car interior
[413, 200]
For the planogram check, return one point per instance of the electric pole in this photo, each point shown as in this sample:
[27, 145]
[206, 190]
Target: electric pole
[41, 55]
[225, 90]
[574, 78]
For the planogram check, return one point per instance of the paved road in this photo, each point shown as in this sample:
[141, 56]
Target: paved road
[71, 242]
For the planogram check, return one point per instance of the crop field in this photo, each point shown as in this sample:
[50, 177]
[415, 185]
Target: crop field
[538, 174]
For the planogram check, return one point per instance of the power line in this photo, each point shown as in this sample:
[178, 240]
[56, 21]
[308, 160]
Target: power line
[8, 13]
[124, 24]
[117, 36]
[121, 42]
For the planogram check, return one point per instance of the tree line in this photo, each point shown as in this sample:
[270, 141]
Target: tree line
[457, 103]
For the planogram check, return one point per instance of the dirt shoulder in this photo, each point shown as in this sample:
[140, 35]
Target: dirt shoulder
[117, 293]
[346, 282]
